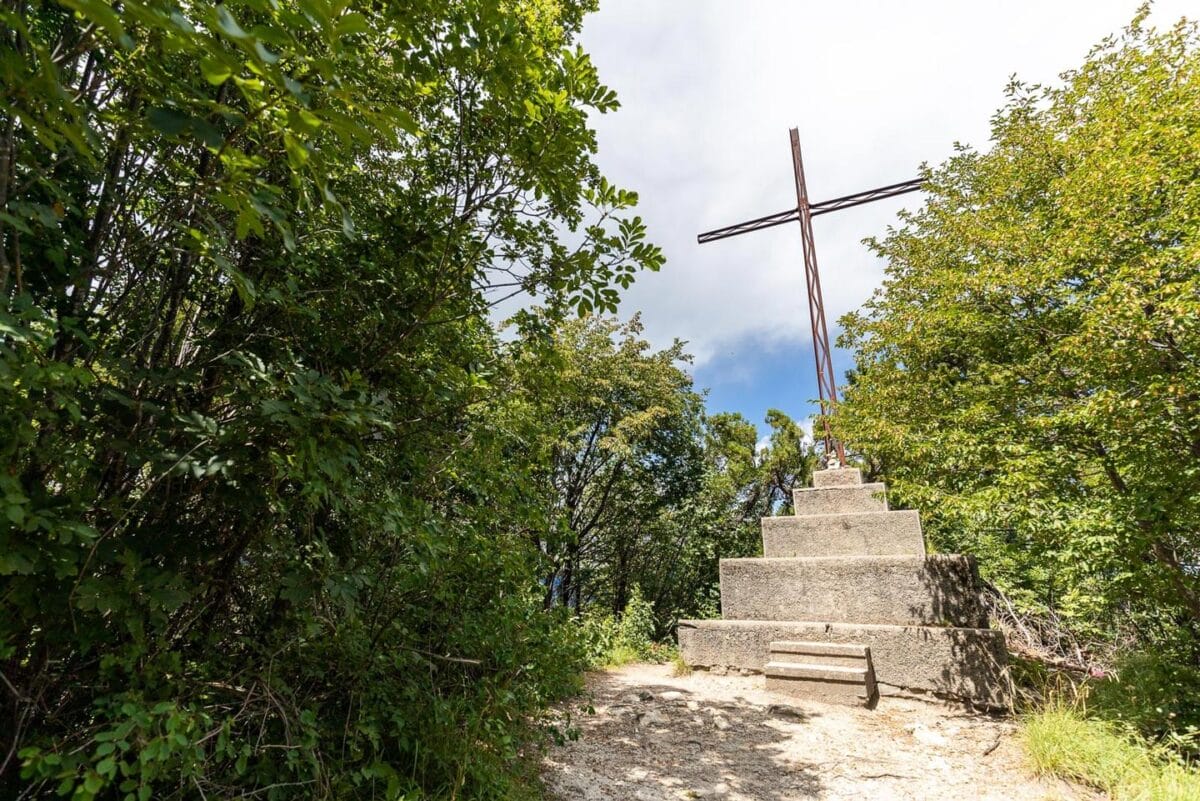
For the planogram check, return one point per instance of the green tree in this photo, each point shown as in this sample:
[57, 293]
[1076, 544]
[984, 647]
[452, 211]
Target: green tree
[260, 525]
[1029, 375]
[742, 483]
[646, 492]
[619, 436]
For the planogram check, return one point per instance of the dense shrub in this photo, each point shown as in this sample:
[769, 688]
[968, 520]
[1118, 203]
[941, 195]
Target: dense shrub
[266, 507]
[1029, 374]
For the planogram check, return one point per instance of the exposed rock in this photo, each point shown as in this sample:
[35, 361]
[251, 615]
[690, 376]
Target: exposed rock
[785, 711]
[652, 718]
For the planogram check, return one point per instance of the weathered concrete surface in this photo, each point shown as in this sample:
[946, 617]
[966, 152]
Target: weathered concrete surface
[856, 534]
[797, 670]
[842, 477]
[938, 590]
[821, 653]
[840, 500]
[967, 663]
[839, 685]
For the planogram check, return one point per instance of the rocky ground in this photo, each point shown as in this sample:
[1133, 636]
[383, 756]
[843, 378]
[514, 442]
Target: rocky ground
[658, 737]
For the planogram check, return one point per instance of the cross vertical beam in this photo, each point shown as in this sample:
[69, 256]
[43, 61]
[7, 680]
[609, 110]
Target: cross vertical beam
[826, 382]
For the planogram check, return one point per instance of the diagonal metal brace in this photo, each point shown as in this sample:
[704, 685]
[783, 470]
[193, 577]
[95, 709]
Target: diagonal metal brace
[815, 210]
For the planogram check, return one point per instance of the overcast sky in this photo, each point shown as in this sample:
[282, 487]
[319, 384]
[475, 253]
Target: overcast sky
[708, 91]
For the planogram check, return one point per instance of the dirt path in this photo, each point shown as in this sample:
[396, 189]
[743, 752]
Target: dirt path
[657, 737]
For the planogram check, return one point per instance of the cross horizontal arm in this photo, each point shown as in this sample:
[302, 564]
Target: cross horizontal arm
[824, 207]
[791, 215]
[869, 196]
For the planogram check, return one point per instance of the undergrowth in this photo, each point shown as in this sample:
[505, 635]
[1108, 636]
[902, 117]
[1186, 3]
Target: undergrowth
[1130, 731]
[1063, 742]
[613, 641]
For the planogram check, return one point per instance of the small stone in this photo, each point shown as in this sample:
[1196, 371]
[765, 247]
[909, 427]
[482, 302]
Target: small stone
[652, 718]
[671, 695]
[720, 723]
[745, 672]
[692, 705]
[645, 695]
[785, 711]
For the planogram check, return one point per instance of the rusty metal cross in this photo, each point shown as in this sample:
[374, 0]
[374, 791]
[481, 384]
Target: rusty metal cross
[804, 212]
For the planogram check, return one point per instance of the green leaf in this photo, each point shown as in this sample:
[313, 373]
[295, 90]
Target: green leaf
[101, 13]
[228, 25]
[350, 24]
[170, 121]
[216, 71]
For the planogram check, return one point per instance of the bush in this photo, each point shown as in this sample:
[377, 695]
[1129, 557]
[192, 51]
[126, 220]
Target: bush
[266, 491]
[636, 629]
[611, 641]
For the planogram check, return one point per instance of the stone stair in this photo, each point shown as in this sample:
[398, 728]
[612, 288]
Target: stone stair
[845, 578]
[849, 534]
[834, 672]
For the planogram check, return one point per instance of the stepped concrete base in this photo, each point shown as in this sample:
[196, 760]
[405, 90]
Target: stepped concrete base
[938, 590]
[840, 499]
[962, 663]
[858, 534]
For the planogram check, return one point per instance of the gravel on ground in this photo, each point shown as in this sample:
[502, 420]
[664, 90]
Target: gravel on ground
[654, 736]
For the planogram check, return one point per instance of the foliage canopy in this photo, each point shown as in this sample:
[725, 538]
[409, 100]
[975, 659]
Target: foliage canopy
[1030, 372]
[263, 531]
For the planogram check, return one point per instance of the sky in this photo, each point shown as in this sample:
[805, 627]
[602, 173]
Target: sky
[708, 91]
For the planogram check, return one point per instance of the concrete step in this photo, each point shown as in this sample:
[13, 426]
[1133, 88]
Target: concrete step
[840, 499]
[939, 590]
[970, 664]
[803, 670]
[822, 653]
[855, 534]
[829, 683]
[842, 477]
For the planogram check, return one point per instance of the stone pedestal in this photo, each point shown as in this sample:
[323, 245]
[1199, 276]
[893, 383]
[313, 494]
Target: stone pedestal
[847, 576]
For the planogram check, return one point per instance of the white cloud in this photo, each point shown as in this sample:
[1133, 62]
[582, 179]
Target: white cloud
[709, 89]
[806, 435]
[806, 425]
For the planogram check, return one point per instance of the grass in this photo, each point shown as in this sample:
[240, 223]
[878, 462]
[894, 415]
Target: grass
[620, 655]
[1062, 743]
[655, 653]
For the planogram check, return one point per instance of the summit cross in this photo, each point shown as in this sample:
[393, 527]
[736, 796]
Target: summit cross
[803, 213]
